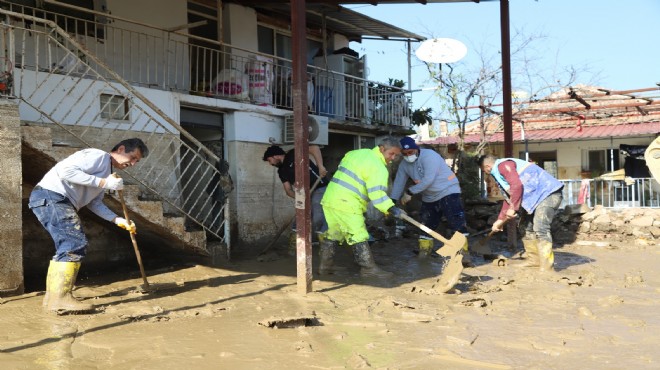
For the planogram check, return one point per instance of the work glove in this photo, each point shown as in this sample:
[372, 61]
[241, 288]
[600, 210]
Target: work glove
[113, 182]
[396, 212]
[121, 222]
[405, 198]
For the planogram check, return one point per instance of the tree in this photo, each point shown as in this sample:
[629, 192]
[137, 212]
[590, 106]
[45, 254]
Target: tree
[470, 94]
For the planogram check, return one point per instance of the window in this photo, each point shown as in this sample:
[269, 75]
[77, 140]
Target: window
[600, 161]
[277, 43]
[546, 160]
[114, 107]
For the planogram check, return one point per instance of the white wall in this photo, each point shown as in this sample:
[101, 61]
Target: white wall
[240, 24]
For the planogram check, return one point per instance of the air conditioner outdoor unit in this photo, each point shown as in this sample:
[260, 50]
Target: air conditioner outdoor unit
[318, 130]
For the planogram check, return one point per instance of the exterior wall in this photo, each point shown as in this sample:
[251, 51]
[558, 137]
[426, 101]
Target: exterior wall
[11, 220]
[240, 25]
[143, 10]
[259, 205]
[339, 41]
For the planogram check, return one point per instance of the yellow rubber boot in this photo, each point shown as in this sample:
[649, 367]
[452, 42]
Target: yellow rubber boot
[531, 253]
[49, 277]
[425, 247]
[546, 255]
[60, 281]
[467, 257]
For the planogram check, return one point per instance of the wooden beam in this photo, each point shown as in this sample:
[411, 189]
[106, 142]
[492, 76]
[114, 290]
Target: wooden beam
[301, 134]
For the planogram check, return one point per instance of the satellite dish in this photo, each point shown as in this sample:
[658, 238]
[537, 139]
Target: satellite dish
[441, 50]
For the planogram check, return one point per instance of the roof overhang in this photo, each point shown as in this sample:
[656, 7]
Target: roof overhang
[338, 19]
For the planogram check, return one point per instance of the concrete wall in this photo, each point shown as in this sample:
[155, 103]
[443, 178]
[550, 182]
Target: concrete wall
[11, 230]
[240, 26]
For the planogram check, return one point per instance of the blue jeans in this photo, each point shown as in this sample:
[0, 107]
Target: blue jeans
[59, 217]
[538, 224]
[451, 207]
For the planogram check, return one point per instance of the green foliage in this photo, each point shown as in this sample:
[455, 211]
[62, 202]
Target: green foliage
[422, 116]
[468, 176]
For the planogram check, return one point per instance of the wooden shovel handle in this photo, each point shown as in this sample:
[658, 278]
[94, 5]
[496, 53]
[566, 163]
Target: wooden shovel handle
[424, 228]
[135, 246]
[286, 225]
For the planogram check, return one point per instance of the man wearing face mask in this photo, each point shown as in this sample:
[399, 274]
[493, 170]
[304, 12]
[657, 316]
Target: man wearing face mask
[284, 161]
[438, 185]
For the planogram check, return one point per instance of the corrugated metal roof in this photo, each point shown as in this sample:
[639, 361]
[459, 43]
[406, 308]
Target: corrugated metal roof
[337, 18]
[561, 134]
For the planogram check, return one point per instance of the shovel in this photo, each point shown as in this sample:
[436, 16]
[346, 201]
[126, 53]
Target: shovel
[145, 286]
[452, 248]
[482, 247]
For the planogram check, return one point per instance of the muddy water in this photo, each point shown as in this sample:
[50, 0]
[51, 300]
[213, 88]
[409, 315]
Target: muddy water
[598, 312]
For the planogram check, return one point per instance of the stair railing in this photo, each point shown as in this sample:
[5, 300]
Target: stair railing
[63, 83]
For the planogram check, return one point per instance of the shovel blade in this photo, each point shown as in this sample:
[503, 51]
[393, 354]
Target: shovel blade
[453, 246]
[450, 274]
[481, 247]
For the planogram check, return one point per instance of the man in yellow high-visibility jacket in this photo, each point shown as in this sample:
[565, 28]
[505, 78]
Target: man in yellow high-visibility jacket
[361, 178]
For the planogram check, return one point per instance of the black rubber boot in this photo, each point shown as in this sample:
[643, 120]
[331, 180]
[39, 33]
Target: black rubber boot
[327, 254]
[363, 257]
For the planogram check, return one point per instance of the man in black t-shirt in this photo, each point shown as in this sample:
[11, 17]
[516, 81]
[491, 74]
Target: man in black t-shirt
[285, 163]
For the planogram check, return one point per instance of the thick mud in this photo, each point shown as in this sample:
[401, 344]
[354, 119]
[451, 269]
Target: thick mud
[598, 311]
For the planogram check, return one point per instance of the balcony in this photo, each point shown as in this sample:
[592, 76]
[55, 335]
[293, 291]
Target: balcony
[159, 59]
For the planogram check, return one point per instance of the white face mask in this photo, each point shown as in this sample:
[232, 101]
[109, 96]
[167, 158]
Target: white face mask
[410, 158]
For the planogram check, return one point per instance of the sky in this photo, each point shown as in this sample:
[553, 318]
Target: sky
[617, 40]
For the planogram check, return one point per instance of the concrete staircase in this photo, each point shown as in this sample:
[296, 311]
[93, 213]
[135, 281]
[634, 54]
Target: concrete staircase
[44, 145]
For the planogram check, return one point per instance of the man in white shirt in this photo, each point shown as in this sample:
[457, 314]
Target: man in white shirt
[79, 180]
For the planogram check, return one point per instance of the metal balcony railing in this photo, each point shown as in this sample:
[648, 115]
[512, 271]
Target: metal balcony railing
[60, 81]
[630, 192]
[147, 56]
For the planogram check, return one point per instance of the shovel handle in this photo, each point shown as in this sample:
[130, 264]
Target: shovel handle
[424, 228]
[286, 225]
[491, 233]
[135, 246]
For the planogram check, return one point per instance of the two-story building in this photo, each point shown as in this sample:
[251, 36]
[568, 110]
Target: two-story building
[206, 84]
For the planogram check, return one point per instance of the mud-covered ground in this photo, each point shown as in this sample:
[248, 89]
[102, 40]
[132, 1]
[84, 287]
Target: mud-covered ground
[599, 311]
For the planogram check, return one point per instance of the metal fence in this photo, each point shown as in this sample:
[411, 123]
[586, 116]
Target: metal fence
[626, 193]
[60, 81]
[147, 56]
